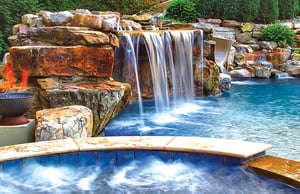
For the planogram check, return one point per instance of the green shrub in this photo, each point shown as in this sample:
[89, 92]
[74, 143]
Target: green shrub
[247, 10]
[268, 12]
[10, 14]
[58, 5]
[288, 8]
[279, 33]
[223, 9]
[183, 10]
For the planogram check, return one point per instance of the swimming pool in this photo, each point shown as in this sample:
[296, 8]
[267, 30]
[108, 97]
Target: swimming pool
[135, 165]
[265, 111]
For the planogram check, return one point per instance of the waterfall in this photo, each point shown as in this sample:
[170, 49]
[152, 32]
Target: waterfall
[170, 56]
[131, 57]
[183, 57]
[156, 55]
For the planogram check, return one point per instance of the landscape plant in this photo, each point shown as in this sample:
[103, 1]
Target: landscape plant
[288, 8]
[279, 33]
[182, 10]
[268, 12]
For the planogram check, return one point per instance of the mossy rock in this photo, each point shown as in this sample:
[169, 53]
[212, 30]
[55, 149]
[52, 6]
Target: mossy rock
[246, 27]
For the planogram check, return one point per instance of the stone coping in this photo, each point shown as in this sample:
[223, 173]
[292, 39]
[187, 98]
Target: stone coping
[230, 148]
[284, 170]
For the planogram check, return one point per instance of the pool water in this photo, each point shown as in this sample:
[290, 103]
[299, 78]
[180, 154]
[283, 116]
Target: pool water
[148, 175]
[266, 111]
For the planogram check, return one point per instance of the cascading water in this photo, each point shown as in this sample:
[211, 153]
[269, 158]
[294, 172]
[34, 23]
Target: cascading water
[183, 58]
[157, 58]
[131, 57]
[170, 56]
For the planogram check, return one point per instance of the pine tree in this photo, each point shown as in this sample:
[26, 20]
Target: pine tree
[268, 12]
[288, 8]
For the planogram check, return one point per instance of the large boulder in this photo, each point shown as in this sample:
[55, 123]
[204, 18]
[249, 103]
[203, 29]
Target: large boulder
[225, 83]
[68, 36]
[292, 68]
[104, 98]
[231, 23]
[56, 18]
[244, 38]
[64, 122]
[279, 56]
[262, 71]
[88, 20]
[240, 73]
[64, 61]
[207, 79]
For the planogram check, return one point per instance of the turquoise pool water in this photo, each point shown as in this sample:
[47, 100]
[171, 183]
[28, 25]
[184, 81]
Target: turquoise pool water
[265, 111]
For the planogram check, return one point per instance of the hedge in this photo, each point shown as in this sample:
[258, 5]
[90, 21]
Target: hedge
[288, 8]
[268, 12]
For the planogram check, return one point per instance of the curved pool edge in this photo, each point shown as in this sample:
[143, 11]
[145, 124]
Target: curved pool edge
[281, 169]
[228, 152]
[230, 148]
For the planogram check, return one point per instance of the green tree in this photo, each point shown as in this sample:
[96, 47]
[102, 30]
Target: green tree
[182, 10]
[268, 12]
[11, 12]
[246, 10]
[288, 8]
[58, 5]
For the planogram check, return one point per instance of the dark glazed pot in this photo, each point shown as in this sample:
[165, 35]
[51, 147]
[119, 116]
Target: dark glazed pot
[15, 105]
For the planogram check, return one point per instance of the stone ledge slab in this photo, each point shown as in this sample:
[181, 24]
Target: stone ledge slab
[47, 61]
[230, 148]
[287, 171]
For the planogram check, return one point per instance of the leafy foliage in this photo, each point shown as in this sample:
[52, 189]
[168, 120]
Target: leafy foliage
[247, 10]
[183, 10]
[10, 14]
[279, 33]
[268, 12]
[241, 10]
[288, 8]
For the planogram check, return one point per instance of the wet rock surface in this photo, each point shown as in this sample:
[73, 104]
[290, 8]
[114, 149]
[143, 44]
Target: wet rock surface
[104, 98]
[64, 122]
[64, 61]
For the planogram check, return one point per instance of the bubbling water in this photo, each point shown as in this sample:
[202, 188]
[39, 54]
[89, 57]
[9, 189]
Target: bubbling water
[149, 175]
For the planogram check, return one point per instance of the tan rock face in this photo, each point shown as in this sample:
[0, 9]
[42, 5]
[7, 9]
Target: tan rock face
[56, 18]
[64, 61]
[64, 122]
[88, 20]
[105, 98]
[64, 35]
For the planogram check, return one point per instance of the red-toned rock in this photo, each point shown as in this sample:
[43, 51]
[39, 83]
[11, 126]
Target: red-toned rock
[88, 20]
[251, 56]
[64, 61]
[279, 56]
[129, 24]
[68, 36]
[114, 40]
